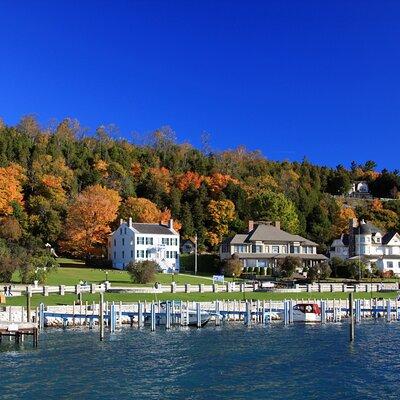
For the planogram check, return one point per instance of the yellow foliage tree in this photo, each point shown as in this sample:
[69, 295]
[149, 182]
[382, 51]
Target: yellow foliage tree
[221, 212]
[89, 219]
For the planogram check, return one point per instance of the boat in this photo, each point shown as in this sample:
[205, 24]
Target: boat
[306, 312]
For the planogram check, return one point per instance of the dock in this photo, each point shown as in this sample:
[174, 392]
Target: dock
[18, 331]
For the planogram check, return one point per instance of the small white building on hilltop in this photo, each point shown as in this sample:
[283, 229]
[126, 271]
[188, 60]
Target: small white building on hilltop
[142, 241]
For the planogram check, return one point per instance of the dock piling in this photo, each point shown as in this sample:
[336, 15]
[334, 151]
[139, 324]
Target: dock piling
[101, 315]
[351, 314]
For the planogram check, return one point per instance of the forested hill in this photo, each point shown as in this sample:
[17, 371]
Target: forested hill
[69, 189]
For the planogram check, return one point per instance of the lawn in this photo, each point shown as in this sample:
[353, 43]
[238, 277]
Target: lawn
[71, 272]
[133, 297]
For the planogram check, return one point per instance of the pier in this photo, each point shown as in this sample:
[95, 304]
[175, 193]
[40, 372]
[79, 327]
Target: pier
[155, 315]
[18, 331]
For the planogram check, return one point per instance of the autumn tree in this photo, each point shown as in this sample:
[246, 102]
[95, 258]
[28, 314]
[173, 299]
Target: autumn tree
[11, 179]
[221, 213]
[140, 210]
[341, 224]
[144, 210]
[183, 181]
[88, 220]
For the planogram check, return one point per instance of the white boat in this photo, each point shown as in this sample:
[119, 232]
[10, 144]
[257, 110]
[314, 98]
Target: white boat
[306, 312]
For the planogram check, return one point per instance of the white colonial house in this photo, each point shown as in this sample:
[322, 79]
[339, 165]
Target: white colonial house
[369, 244]
[141, 241]
[266, 243]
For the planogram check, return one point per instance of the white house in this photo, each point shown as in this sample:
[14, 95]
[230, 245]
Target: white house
[141, 241]
[366, 242]
[359, 189]
[266, 243]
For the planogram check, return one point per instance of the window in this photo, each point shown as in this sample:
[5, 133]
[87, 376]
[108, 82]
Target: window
[140, 240]
[149, 240]
[125, 231]
[224, 248]
[175, 242]
[378, 240]
[140, 253]
[123, 254]
[275, 249]
[295, 249]
[148, 252]
[115, 242]
[256, 248]
[389, 264]
[164, 241]
[131, 253]
[115, 254]
[123, 242]
[120, 231]
[240, 248]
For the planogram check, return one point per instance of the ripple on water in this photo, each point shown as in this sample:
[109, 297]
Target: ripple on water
[232, 362]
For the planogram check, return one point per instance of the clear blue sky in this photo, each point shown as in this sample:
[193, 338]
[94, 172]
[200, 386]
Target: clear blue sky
[291, 78]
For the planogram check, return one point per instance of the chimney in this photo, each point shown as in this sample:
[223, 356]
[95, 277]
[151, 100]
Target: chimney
[121, 221]
[277, 224]
[353, 223]
[130, 222]
[171, 224]
[251, 225]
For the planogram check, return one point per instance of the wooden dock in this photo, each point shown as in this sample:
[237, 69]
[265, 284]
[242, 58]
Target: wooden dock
[18, 331]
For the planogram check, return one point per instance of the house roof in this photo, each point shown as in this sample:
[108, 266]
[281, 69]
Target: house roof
[152, 229]
[366, 229]
[260, 256]
[388, 237]
[269, 233]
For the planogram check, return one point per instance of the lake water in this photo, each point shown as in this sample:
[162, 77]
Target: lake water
[227, 362]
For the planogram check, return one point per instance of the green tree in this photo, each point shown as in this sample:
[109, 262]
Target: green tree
[275, 207]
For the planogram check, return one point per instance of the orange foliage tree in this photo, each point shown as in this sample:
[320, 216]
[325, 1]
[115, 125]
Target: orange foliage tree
[11, 179]
[218, 182]
[342, 221]
[52, 186]
[88, 221]
[183, 181]
[144, 210]
[162, 177]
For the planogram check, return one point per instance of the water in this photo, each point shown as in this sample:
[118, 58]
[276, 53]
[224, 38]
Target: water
[227, 362]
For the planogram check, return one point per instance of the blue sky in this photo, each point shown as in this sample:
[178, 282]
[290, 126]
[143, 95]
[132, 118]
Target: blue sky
[290, 78]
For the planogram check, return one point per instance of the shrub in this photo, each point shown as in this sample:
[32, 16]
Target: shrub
[257, 270]
[288, 266]
[37, 268]
[233, 267]
[142, 271]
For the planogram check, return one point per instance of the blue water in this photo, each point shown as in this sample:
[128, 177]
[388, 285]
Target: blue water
[227, 362]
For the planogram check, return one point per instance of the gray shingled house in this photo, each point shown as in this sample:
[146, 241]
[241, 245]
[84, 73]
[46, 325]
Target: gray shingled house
[266, 243]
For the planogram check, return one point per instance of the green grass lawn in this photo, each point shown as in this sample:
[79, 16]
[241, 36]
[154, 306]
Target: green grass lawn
[133, 297]
[71, 272]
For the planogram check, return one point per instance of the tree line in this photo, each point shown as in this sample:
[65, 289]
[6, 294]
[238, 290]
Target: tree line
[68, 187]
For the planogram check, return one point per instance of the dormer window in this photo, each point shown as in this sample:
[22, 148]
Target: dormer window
[378, 239]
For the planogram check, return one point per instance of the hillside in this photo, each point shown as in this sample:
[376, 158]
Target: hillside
[51, 178]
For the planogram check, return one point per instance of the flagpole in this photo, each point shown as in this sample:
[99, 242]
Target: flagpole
[195, 255]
